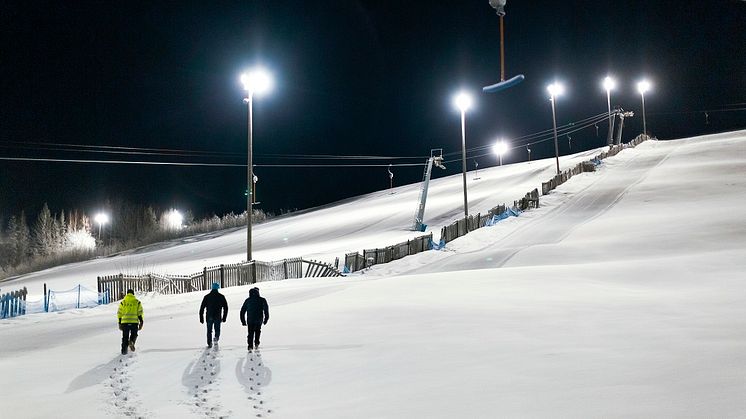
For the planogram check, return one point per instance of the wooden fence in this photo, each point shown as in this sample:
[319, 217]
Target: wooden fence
[463, 226]
[588, 166]
[13, 303]
[249, 273]
[356, 261]
[225, 275]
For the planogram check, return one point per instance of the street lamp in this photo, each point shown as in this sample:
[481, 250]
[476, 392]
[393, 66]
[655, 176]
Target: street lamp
[463, 101]
[555, 89]
[255, 81]
[499, 149]
[609, 85]
[100, 219]
[642, 87]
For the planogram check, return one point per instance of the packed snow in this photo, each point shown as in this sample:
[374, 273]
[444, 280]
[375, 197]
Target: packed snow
[621, 296]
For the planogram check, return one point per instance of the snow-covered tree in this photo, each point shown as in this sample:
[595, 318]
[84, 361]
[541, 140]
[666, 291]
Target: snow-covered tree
[18, 240]
[45, 233]
[79, 240]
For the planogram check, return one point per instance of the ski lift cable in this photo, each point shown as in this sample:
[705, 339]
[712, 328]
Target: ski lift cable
[81, 148]
[545, 135]
[590, 124]
[157, 163]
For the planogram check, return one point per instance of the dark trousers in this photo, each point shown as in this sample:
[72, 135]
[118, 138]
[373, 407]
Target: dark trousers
[129, 334]
[255, 329]
[213, 323]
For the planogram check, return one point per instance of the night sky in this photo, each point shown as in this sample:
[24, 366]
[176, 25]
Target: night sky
[371, 78]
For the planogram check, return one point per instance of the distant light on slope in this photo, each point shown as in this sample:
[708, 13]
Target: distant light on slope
[174, 220]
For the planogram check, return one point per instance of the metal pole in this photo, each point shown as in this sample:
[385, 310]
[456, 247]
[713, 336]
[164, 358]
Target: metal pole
[501, 159]
[644, 125]
[554, 124]
[502, 50]
[463, 161]
[611, 122]
[249, 183]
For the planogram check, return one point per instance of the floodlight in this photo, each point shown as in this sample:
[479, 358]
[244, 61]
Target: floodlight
[555, 89]
[643, 86]
[257, 81]
[463, 101]
[609, 83]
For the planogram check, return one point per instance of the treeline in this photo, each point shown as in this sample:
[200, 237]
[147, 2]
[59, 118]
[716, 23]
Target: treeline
[54, 239]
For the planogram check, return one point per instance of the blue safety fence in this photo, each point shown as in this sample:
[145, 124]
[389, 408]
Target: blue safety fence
[78, 297]
[13, 304]
[510, 212]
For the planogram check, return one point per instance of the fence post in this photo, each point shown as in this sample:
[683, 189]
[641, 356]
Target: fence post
[222, 276]
[23, 306]
[285, 266]
[78, 306]
[46, 299]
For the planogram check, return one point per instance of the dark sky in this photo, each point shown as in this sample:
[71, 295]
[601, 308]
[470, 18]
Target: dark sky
[352, 78]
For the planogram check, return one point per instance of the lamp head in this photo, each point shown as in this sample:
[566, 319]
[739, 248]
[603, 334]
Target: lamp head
[500, 148]
[643, 86]
[257, 81]
[463, 101]
[609, 83]
[101, 218]
[555, 89]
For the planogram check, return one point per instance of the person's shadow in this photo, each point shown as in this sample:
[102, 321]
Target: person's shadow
[95, 375]
[201, 372]
[253, 373]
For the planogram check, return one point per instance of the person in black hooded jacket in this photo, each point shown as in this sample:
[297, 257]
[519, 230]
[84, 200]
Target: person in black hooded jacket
[217, 310]
[254, 313]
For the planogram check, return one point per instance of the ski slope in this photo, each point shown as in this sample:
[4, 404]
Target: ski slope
[622, 296]
[375, 220]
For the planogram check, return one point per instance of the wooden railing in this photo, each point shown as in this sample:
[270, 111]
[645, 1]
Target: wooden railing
[225, 275]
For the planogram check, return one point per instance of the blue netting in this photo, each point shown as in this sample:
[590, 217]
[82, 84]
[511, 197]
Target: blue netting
[510, 212]
[78, 297]
[35, 306]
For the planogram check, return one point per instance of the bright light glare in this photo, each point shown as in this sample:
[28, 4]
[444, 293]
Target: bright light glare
[643, 86]
[101, 218]
[555, 89]
[463, 101]
[609, 83]
[257, 81]
[174, 219]
[500, 148]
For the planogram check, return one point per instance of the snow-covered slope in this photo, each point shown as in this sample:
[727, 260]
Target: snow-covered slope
[375, 220]
[622, 296]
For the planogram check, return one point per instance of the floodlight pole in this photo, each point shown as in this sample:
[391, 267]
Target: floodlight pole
[249, 177]
[463, 161]
[644, 125]
[611, 121]
[554, 124]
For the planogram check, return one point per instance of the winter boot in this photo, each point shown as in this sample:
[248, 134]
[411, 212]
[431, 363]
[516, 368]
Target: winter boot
[132, 345]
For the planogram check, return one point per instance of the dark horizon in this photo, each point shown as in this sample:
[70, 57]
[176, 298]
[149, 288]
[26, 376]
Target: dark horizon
[352, 78]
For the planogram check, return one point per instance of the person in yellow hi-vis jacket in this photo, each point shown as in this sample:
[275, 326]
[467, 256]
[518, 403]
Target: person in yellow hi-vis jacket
[130, 320]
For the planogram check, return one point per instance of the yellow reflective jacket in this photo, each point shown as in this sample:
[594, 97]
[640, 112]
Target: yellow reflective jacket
[130, 310]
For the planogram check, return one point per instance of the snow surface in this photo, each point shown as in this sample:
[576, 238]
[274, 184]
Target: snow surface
[622, 296]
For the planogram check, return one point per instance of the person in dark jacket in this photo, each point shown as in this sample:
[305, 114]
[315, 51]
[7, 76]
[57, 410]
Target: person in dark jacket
[254, 313]
[217, 311]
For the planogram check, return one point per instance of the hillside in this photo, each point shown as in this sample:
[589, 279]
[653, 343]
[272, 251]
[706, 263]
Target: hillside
[622, 296]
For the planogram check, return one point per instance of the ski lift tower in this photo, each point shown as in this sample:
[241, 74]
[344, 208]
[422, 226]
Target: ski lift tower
[436, 159]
